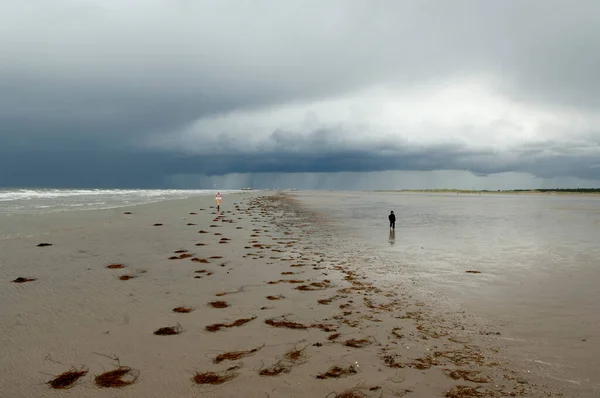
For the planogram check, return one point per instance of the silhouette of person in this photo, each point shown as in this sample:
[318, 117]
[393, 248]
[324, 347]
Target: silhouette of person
[392, 219]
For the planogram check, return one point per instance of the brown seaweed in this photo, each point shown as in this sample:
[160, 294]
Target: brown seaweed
[67, 379]
[335, 372]
[169, 330]
[114, 378]
[218, 326]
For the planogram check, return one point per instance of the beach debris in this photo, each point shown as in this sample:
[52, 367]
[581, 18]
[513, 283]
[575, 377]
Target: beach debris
[218, 304]
[275, 369]
[314, 286]
[44, 244]
[284, 323]
[284, 281]
[202, 231]
[467, 375]
[181, 256]
[473, 272]
[391, 361]
[275, 297]
[325, 301]
[218, 326]
[465, 392]
[357, 343]
[157, 225]
[352, 393]
[115, 266]
[200, 260]
[200, 244]
[183, 310]
[121, 377]
[335, 372]
[169, 330]
[215, 257]
[67, 379]
[193, 214]
[214, 378]
[180, 251]
[396, 334]
[127, 212]
[235, 355]
[333, 336]
[23, 280]
[295, 355]
[126, 277]
[288, 273]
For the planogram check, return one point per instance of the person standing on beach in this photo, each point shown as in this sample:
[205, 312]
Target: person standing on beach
[392, 218]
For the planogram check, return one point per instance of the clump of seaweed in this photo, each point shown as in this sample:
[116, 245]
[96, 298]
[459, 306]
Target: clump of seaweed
[357, 343]
[325, 301]
[391, 361]
[218, 304]
[461, 357]
[218, 326]
[396, 334]
[169, 330]
[275, 369]
[67, 379]
[23, 280]
[115, 378]
[44, 244]
[275, 297]
[200, 244]
[335, 372]
[235, 355]
[181, 256]
[182, 310]
[295, 355]
[333, 337]
[213, 378]
[467, 375]
[200, 260]
[126, 277]
[314, 286]
[288, 273]
[473, 272]
[215, 257]
[180, 251]
[464, 392]
[285, 281]
[157, 225]
[202, 231]
[286, 324]
[115, 266]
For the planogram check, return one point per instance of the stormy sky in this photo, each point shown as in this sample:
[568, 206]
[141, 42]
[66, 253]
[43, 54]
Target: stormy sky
[337, 94]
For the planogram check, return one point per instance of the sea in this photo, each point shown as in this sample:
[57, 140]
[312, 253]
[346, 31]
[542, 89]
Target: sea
[534, 263]
[19, 207]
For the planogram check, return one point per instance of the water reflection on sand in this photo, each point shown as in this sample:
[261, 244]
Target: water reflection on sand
[537, 260]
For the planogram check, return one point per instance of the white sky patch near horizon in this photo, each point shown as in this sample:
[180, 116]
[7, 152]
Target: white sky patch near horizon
[469, 112]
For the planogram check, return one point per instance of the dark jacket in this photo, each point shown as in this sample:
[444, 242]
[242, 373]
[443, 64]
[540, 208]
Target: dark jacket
[392, 218]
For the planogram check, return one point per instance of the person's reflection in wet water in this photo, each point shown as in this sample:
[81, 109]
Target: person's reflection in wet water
[392, 237]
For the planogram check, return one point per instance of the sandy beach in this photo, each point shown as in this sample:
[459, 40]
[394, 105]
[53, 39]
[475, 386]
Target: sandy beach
[177, 300]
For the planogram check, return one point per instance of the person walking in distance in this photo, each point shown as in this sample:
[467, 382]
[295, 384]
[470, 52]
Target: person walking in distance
[392, 218]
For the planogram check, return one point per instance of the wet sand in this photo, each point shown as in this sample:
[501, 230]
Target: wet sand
[257, 301]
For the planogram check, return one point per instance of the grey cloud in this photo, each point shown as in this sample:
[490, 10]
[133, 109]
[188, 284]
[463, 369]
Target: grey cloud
[83, 86]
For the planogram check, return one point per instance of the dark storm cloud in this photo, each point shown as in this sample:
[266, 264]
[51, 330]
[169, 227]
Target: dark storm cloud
[85, 85]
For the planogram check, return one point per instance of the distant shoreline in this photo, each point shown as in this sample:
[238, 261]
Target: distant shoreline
[566, 191]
